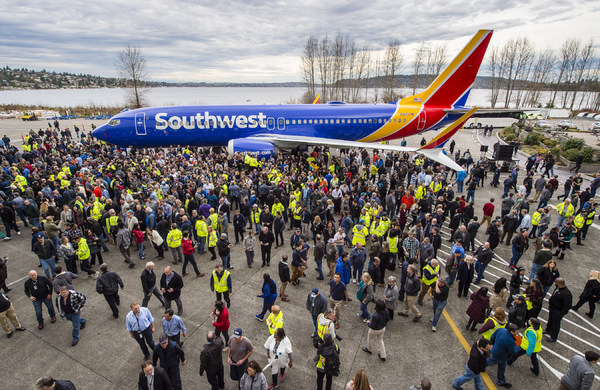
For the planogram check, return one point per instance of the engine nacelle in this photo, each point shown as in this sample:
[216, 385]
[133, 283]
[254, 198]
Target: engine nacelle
[260, 149]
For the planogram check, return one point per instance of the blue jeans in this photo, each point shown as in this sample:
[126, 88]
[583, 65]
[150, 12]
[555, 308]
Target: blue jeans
[141, 250]
[438, 307]
[76, 319]
[201, 245]
[320, 267]
[364, 311]
[37, 305]
[226, 261]
[479, 268]
[501, 368]
[257, 227]
[357, 270]
[266, 306]
[470, 195]
[534, 269]
[451, 277]
[459, 186]
[560, 221]
[468, 376]
[48, 265]
[516, 256]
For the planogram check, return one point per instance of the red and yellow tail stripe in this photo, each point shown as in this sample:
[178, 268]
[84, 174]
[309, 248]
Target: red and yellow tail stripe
[447, 133]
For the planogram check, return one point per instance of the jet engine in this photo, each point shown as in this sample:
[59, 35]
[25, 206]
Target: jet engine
[260, 149]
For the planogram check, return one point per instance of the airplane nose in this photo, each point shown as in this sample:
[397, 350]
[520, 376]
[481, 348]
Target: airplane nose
[100, 134]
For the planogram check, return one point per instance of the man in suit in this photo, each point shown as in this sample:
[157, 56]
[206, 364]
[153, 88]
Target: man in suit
[171, 284]
[211, 361]
[559, 305]
[169, 354]
[152, 377]
[149, 285]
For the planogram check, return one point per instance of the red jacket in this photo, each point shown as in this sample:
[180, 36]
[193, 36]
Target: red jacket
[222, 322]
[139, 236]
[186, 247]
[488, 209]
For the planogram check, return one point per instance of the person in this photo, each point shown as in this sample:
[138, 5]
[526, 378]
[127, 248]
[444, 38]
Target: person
[590, 294]
[318, 253]
[279, 354]
[269, 295]
[475, 366]
[69, 304]
[170, 285]
[412, 286]
[516, 280]
[424, 385]
[518, 312]
[464, 275]
[239, 223]
[173, 327]
[328, 362]
[84, 255]
[174, 239]
[275, 319]
[580, 375]
[266, 239]
[140, 325]
[220, 320]
[169, 354]
[239, 351]
[365, 295]
[519, 245]
[220, 283]
[337, 294]
[39, 290]
[504, 341]
[157, 242]
[559, 305]
[493, 323]
[108, 285]
[547, 275]
[253, 378]
[7, 310]
[499, 294]
[439, 293]
[298, 263]
[478, 308]
[377, 328]
[431, 273]
[541, 257]
[531, 344]
[45, 251]
[211, 361]
[358, 256]
[49, 383]
[123, 242]
[484, 255]
[359, 382]
[153, 378]
[212, 242]
[391, 295]
[283, 269]
[249, 244]
[187, 248]
[344, 267]
[149, 287]
[63, 278]
[316, 303]
[4, 275]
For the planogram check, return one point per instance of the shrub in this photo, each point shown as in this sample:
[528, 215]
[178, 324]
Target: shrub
[555, 151]
[573, 143]
[534, 138]
[550, 143]
[588, 154]
[571, 154]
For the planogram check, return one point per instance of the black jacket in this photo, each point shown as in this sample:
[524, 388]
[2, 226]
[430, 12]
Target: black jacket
[266, 238]
[148, 280]
[561, 300]
[42, 288]
[477, 360]
[161, 380]
[239, 222]
[176, 284]
[412, 286]
[223, 247]
[211, 357]
[379, 320]
[108, 283]
[169, 357]
[484, 256]
[45, 251]
[284, 271]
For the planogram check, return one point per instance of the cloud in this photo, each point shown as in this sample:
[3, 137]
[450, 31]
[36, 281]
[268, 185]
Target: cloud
[259, 40]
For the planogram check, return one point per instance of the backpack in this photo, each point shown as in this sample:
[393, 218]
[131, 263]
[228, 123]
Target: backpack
[361, 287]
[332, 361]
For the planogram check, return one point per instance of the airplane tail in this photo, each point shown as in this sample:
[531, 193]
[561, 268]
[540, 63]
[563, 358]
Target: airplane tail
[439, 140]
[452, 86]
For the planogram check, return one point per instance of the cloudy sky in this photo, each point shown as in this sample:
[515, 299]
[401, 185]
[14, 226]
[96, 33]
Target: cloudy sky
[258, 40]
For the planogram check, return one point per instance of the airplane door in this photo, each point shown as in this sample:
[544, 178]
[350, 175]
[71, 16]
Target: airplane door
[280, 123]
[270, 123]
[422, 120]
[140, 123]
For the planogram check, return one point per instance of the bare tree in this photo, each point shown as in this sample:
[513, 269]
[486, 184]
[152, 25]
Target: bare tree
[362, 74]
[436, 60]
[542, 72]
[573, 48]
[564, 51]
[524, 62]
[324, 63]
[496, 72]
[132, 67]
[586, 58]
[418, 64]
[392, 60]
[309, 58]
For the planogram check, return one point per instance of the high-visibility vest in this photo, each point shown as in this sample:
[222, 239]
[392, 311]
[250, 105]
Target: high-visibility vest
[321, 362]
[433, 272]
[212, 239]
[298, 195]
[80, 204]
[298, 212]
[174, 238]
[20, 179]
[255, 216]
[359, 235]
[435, 186]
[322, 330]
[275, 323]
[535, 218]
[561, 207]
[579, 221]
[538, 339]
[393, 241]
[367, 218]
[589, 219]
[376, 229]
[83, 250]
[220, 284]
[213, 219]
[201, 228]
[528, 303]
[97, 210]
[384, 226]
[488, 333]
[421, 191]
[278, 207]
[111, 222]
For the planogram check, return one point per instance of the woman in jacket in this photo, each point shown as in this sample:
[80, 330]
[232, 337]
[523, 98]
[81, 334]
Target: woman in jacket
[499, 294]
[220, 319]
[516, 280]
[365, 296]
[94, 245]
[534, 295]
[377, 328]
[253, 378]
[477, 310]
[360, 381]
[66, 251]
[464, 275]
[269, 295]
[157, 242]
[547, 275]
[279, 353]
[531, 344]
[391, 294]
[590, 294]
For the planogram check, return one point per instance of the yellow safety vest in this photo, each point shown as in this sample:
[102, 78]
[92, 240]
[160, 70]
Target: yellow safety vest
[384, 226]
[359, 235]
[212, 240]
[255, 216]
[275, 323]
[174, 238]
[214, 219]
[590, 217]
[376, 229]
[538, 339]
[570, 210]
[20, 179]
[278, 207]
[201, 228]
[298, 212]
[321, 362]
[83, 250]
[393, 241]
[80, 204]
[488, 333]
[435, 186]
[435, 271]
[367, 218]
[322, 330]
[111, 221]
[421, 191]
[220, 284]
[535, 218]
[97, 210]
[579, 221]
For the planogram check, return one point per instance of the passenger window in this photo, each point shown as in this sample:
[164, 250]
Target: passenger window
[309, 121]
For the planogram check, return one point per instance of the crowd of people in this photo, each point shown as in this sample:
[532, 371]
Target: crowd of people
[365, 214]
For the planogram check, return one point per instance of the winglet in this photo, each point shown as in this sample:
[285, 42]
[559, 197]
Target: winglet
[317, 99]
[449, 131]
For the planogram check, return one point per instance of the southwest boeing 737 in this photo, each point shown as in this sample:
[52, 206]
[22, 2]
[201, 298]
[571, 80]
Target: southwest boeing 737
[263, 129]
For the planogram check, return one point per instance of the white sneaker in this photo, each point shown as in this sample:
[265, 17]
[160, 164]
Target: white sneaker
[7, 238]
[433, 329]
[18, 233]
[354, 281]
[95, 276]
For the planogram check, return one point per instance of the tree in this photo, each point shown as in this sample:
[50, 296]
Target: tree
[132, 67]
[392, 60]
[308, 67]
[418, 63]
[586, 59]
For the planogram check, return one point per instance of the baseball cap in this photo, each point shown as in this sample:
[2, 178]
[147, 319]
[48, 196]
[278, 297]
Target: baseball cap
[237, 333]
[315, 290]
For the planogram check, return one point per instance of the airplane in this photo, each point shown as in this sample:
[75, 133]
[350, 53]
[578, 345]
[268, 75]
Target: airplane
[264, 129]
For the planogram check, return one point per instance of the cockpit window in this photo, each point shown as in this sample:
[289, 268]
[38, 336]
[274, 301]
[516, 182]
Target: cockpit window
[114, 122]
